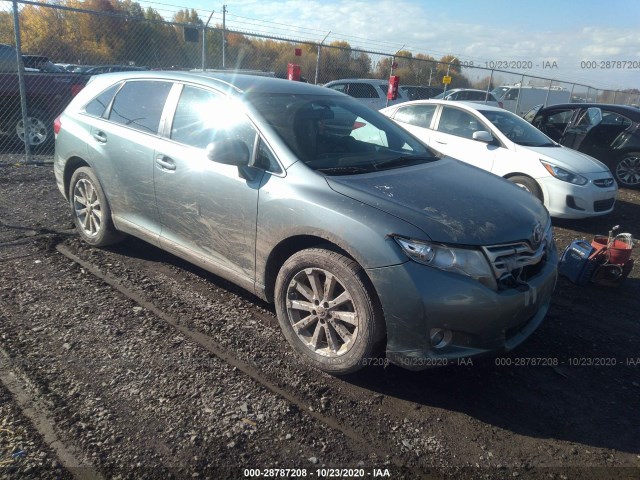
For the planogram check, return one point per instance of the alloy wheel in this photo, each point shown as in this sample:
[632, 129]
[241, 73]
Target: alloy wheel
[628, 170]
[86, 206]
[36, 131]
[322, 312]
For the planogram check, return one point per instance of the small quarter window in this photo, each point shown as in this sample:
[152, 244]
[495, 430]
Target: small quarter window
[98, 105]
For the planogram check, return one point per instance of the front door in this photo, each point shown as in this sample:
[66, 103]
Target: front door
[453, 136]
[206, 208]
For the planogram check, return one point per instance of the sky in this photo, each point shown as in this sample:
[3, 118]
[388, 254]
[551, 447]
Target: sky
[569, 40]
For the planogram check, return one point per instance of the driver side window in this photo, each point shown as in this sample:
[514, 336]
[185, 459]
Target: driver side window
[459, 123]
[203, 117]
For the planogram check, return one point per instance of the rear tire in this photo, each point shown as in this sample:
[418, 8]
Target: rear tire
[528, 184]
[327, 311]
[90, 209]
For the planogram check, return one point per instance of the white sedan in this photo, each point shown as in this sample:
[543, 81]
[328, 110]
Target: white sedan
[569, 183]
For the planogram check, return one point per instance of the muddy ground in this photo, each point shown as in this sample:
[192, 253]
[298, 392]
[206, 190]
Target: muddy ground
[127, 362]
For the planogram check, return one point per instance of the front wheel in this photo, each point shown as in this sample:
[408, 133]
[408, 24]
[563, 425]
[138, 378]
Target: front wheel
[528, 184]
[327, 310]
[627, 170]
[90, 210]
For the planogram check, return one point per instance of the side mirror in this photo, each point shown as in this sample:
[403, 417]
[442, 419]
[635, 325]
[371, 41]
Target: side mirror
[483, 136]
[229, 152]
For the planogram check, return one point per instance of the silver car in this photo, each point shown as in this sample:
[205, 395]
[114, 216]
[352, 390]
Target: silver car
[362, 237]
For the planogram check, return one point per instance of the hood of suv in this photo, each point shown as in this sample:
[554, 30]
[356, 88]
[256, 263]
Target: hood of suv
[451, 202]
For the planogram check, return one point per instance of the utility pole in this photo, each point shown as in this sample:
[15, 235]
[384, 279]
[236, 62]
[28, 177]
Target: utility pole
[224, 35]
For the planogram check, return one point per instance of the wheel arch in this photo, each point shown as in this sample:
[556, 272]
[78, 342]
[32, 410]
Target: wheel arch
[73, 164]
[510, 175]
[289, 246]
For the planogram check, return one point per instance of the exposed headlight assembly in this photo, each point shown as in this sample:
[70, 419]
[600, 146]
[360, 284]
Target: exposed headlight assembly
[563, 174]
[465, 261]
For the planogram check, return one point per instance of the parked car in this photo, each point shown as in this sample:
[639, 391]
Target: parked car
[47, 93]
[469, 95]
[370, 91]
[610, 133]
[97, 70]
[569, 183]
[359, 243]
[419, 92]
[520, 100]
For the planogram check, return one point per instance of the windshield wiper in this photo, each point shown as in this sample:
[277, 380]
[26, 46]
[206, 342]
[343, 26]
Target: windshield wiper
[403, 161]
[344, 170]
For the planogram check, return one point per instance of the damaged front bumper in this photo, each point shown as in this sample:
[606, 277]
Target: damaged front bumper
[435, 317]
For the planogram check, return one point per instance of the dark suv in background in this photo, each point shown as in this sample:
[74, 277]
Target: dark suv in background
[607, 132]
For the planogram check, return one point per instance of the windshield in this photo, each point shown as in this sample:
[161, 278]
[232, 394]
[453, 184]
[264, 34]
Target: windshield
[337, 135]
[499, 91]
[517, 130]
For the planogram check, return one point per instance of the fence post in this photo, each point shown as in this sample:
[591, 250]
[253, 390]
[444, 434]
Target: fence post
[488, 87]
[204, 35]
[546, 99]
[573, 85]
[519, 93]
[23, 92]
[318, 57]
[615, 94]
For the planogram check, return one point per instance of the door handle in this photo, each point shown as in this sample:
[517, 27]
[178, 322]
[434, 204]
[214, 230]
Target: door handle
[165, 162]
[100, 137]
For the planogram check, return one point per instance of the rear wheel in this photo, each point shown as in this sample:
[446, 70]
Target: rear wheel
[327, 311]
[627, 170]
[90, 210]
[528, 184]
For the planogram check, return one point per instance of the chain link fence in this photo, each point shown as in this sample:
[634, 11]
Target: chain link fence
[49, 51]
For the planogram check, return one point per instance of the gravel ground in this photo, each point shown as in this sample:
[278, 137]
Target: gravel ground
[159, 369]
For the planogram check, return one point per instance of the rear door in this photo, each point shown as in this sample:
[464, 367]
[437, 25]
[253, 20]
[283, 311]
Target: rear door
[554, 122]
[121, 151]
[579, 128]
[417, 119]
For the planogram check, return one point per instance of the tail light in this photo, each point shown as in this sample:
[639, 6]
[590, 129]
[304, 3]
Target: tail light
[57, 125]
[75, 89]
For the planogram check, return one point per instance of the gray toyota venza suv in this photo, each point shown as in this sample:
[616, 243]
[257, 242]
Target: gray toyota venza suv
[362, 237]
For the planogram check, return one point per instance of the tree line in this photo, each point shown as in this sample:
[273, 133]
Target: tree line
[123, 32]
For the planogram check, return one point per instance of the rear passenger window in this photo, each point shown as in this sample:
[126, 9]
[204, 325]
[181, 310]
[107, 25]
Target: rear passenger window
[340, 87]
[418, 115]
[139, 105]
[362, 90]
[98, 105]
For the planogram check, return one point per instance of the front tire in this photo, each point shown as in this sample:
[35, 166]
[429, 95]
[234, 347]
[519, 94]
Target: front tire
[627, 170]
[528, 184]
[90, 209]
[327, 310]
